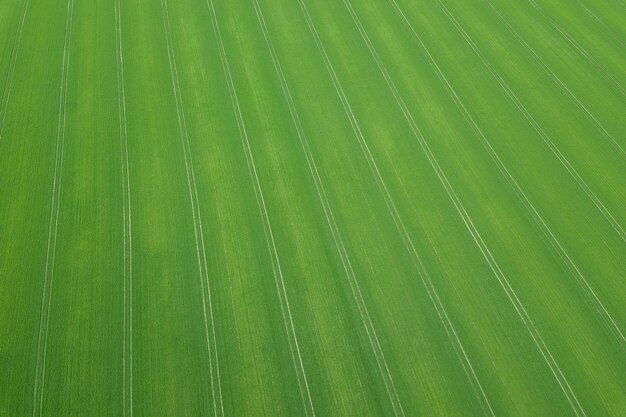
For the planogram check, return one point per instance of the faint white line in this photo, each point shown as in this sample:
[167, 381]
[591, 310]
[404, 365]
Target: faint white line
[127, 349]
[595, 17]
[408, 243]
[542, 134]
[53, 224]
[547, 232]
[10, 76]
[557, 79]
[267, 227]
[337, 238]
[499, 274]
[197, 217]
[582, 51]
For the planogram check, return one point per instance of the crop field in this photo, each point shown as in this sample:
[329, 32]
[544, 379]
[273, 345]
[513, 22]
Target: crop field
[312, 208]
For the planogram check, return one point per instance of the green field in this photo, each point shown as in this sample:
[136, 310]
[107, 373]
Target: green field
[299, 208]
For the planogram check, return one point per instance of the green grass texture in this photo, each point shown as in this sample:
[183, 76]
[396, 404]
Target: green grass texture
[298, 208]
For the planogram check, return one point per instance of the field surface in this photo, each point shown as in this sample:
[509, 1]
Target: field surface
[299, 208]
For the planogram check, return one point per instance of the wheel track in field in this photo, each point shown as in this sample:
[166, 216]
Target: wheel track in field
[218, 410]
[548, 234]
[499, 274]
[400, 226]
[582, 51]
[366, 319]
[303, 384]
[127, 339]
[602, 23]
[8, 85]
[46, 295]
[603, 131]
[615, 225]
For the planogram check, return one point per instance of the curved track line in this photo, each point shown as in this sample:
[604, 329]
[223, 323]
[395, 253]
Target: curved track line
[557, 80]
[542, 134]
[525, 200]
[400, 226]
[197, 219]
[46, 295]
[501, 277]
[332, 225]
[303, 384]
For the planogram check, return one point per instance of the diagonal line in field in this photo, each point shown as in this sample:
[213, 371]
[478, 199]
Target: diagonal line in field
[46, 296]
[8, 85]
[535, 125]
[597, 19]
[528, 204]
[582, 51]
[197, 220]
[499, 274]
[267, 227]
[400, 226]
[334, 228]
[557, 79]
